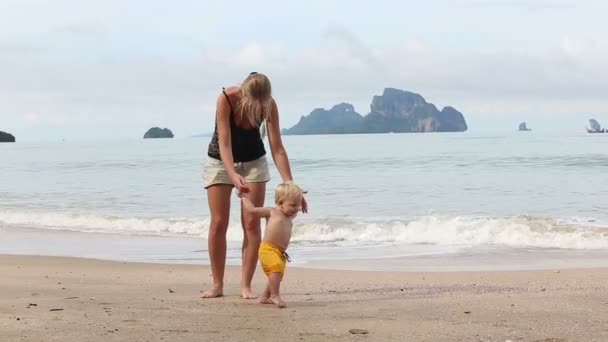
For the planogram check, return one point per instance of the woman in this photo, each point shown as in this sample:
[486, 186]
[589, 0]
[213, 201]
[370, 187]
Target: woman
[237, 158]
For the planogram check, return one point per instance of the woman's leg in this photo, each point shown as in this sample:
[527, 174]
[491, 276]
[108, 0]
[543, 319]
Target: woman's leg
[252, 237]
[219, 208]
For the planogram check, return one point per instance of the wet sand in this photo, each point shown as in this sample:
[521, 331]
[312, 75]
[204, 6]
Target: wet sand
[72, 299]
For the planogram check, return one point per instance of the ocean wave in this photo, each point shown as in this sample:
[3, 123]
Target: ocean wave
[91, 223]
[518, 231]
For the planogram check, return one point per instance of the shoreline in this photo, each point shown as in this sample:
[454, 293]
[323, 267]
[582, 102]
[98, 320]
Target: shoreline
[192, 250]
[75, 299]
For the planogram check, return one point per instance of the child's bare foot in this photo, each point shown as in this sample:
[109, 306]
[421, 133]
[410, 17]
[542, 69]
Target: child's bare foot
[213, 293]
[265, 300]
[247, 294]
[278, 301]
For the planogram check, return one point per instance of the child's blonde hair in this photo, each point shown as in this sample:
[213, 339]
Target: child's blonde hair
[256, 99]
[288, 191]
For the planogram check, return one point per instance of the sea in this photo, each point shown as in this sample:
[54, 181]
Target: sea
[404, 202]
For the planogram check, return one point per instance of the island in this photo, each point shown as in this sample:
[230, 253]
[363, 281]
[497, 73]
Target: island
[395, 111]
[157, 132]
[523, 127]
[595, 127]
[6, 137]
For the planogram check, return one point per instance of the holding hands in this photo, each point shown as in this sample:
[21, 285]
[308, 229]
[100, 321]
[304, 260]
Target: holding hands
[243, 190]
[240, 184]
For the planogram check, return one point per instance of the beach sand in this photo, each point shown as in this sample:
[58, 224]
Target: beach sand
[71, 299]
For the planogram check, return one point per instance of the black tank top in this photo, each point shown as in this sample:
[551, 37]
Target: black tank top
[247, 144]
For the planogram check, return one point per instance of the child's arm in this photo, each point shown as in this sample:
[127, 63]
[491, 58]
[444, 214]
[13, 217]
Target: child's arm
[257, 211]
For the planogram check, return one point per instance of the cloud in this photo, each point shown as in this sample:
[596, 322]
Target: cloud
[83, 31]
[347, 46]
[525, 4]
[255, 55]
[91, 76]
[16, 49]
[31, 117]
[584, 50]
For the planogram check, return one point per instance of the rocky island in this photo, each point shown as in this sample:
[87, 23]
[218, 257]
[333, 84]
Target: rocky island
[6, 137]
[523, 127]
[157, 132]
[595, 127]
[396, 111]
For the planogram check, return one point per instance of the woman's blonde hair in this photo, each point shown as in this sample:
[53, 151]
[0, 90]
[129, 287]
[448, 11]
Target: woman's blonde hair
[256, 99]
[288, 191]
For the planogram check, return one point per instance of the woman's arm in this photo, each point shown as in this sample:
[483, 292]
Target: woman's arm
[225, 142]
[279, 155]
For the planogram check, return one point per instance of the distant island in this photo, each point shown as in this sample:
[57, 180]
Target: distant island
[395, 111]
[157, 132]
[6, 137]
[523, 127]
[595, 127]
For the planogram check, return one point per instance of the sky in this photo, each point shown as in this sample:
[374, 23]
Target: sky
[81, 70]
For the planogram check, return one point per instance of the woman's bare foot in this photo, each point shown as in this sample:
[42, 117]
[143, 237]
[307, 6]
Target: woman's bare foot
[213, 293]
[278, 301]
[247, 294]
[265, 300]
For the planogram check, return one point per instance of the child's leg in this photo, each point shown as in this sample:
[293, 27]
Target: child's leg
[274, 284]
[265, 299]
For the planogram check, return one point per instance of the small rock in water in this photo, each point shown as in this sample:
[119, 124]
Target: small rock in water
[358, 331]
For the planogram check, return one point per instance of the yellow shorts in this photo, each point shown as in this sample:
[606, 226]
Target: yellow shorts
[272, 258]
[253, 171]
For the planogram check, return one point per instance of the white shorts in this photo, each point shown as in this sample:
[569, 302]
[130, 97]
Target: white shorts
[254, 171]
